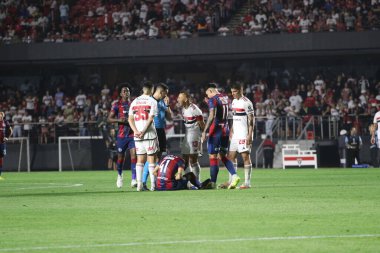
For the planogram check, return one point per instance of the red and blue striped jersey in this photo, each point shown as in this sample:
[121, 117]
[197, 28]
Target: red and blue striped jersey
[5, 128]
[169, 166]
[220, 103]
[121, 109]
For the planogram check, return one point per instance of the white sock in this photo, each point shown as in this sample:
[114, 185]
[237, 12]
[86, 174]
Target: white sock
[229, 175]
[247, 173]
[139, 173]
[196, 169]
[152, 177]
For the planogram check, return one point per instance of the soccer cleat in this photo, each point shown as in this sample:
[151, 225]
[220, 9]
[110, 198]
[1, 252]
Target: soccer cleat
[223, 185]
[234, 182]
[119, 181]
[210, 186]
[152, 189]
[144, 188]
[139, 188]
[133, 183]
[244, 187]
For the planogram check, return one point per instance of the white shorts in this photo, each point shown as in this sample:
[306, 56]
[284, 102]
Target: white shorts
[191, 144]
[148, 147]
[240, 146]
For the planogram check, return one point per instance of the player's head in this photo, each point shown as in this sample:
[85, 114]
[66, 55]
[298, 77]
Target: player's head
[183, 98]
[353, 131]
[147, 88]
[211, 90]
[161, 91]
[125, 92]
[1, 115]
[237, 90]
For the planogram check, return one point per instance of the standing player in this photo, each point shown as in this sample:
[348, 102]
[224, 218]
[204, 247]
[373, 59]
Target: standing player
[169, 173]
[217, 144]
[242, 132]
[193, 119]
[375, 127]
[163, 112]
[5, 133]
[124, 141]
[141, 113]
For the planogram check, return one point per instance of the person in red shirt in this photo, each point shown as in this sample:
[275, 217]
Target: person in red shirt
[268, 147]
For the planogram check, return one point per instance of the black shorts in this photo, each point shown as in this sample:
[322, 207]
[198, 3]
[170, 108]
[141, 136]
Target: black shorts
[161, 139]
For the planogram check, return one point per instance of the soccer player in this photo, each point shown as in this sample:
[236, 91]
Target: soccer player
[160, 95]
[5, 133]
[193, 119]
[124, 141]
[217, 144]
[141, 113]
[242, 132]
[169, 173]
[375, 127]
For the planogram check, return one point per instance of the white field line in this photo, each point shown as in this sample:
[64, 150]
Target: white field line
[276, 238]
[51, 185]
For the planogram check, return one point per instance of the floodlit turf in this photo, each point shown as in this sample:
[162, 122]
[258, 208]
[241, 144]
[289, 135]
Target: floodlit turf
[325, 210]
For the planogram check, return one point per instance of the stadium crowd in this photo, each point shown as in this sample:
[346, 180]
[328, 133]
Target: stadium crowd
[53, 112]
[310, 16]
[100, 20]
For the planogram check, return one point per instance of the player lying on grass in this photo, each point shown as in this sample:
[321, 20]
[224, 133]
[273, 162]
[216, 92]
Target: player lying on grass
[170, 175]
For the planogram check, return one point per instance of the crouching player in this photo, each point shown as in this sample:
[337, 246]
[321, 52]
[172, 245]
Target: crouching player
[170, 175]
[193, 119]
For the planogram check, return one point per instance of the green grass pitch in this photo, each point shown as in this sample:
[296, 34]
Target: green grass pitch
[296, 210]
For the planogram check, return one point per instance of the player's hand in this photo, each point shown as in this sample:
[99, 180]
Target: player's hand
[5, 139]
[372, 140]
[139, 135]
[177, 176]
[166, 100]
[203, 137]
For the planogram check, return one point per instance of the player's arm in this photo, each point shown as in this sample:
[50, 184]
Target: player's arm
[112, 118]
[251, 125]
[10, 132]
[131, 121]
[168, 113]
[155, 171]
[147, 125]
[210, 119]
[178, 175]
[372, 130]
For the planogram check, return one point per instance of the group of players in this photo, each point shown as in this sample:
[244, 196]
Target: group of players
[141, 131]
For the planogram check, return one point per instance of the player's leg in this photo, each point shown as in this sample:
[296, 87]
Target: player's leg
[141, 154]
[152, 149]
[212, 148]
[121, 144]
[132, 153]
[247, 170]
[232, 155]
[2, 155]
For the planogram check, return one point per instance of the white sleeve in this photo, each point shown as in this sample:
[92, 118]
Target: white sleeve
[374, 119]
[154, 111]
[198, 111]
[248, 106]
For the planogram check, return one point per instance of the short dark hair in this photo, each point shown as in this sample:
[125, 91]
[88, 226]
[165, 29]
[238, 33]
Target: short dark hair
[236, 86]
[162, 86]
[147, 84]
[212, 85]
[186, 93]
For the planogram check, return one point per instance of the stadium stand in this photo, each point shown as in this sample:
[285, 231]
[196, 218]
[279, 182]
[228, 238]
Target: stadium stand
[96, 20]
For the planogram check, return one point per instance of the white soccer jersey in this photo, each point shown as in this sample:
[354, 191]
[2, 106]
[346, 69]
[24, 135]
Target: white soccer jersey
[241, 108]
[190, 116]
[376, 120]
[141, 108]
